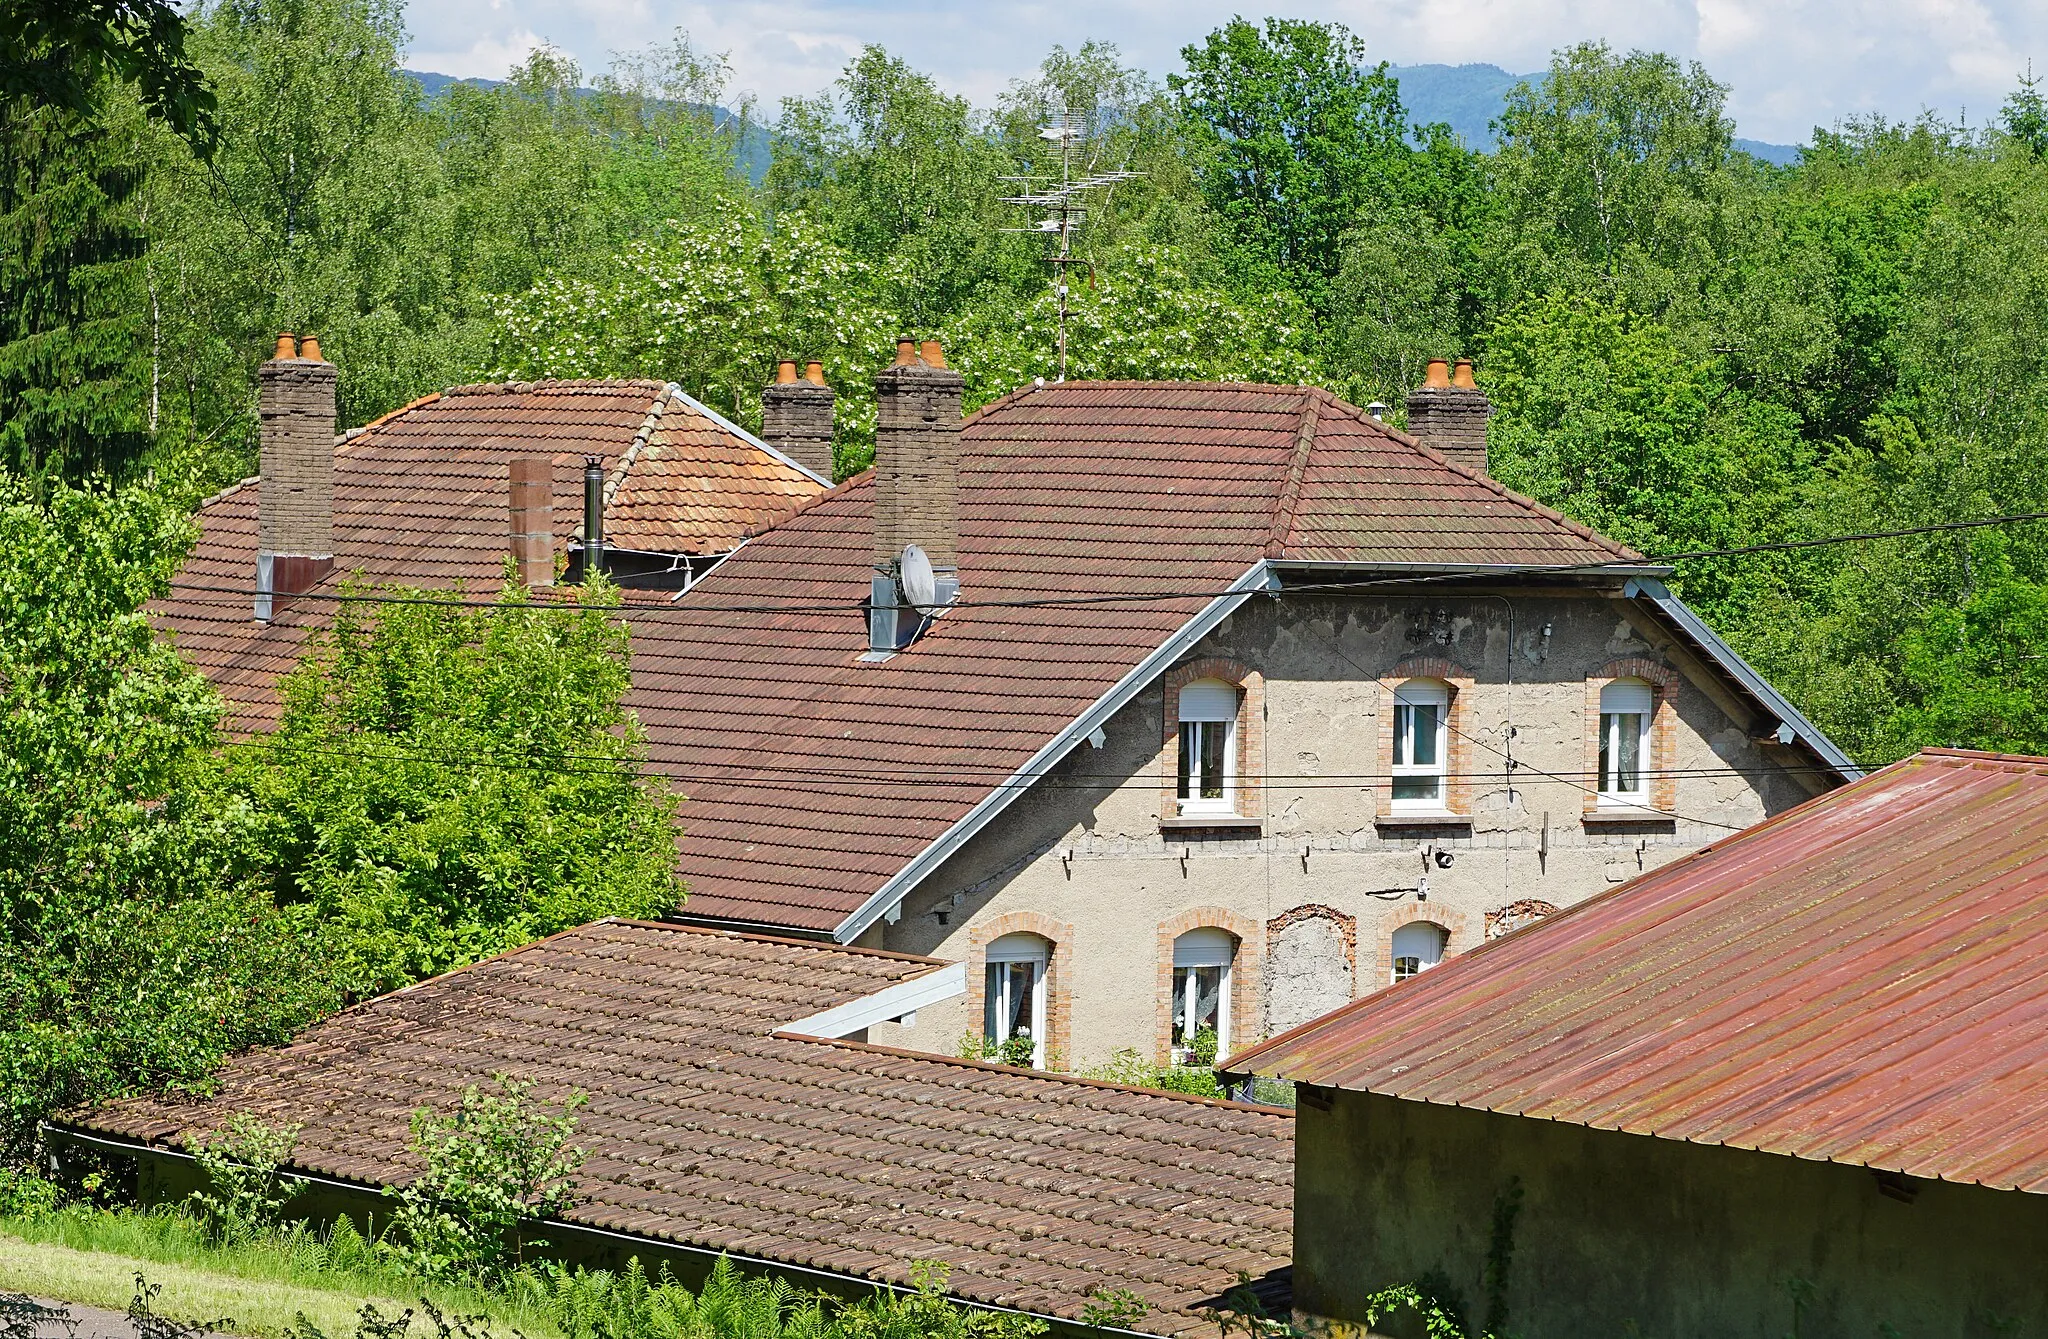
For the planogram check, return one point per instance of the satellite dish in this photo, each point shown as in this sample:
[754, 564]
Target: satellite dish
[914, 575]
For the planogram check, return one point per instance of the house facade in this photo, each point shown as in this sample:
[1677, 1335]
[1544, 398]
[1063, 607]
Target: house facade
[1790, 1084]
[1180, 714]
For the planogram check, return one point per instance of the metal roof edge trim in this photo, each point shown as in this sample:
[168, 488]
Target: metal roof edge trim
[1732, 663]
[892, 1001]
[1617, 568]
[741, 433]
[127, 1145]
[1119, 695]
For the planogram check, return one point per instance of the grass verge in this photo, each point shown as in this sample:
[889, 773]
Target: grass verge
[92, 1256]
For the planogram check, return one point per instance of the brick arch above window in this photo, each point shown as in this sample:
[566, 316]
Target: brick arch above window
[1244, 972]
[1458, 788]
[1378, 973]
[1664, 681]
[1249, 729]
[1059, 974]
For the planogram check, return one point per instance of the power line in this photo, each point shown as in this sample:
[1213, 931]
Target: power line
[628, 606]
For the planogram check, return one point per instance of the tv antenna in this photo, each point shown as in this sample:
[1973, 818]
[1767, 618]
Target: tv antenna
[1060, 204]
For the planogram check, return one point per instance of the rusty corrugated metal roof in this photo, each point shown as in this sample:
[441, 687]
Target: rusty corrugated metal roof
[1863, 979]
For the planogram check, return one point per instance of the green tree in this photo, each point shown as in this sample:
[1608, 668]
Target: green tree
[1306, 141]
[131, 955]
[1610, 178]
[55, 53]
[449, 782]
[73, 310]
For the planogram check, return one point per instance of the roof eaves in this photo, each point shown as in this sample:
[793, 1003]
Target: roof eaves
[1732, 664]
[1114, 700]
[736, 430]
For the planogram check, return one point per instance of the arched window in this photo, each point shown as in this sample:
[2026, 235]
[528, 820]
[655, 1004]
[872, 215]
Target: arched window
[1626, 706]
[1418, 946]
[1422, 708]
[1013, 999]
[1208, 747]
[1201, 995]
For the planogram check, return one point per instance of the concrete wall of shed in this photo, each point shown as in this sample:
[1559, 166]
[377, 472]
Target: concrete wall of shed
[1625, 1234]
[1085, 847]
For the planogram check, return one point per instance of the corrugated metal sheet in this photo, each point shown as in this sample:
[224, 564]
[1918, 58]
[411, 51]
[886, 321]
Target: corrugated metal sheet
[1863, 979]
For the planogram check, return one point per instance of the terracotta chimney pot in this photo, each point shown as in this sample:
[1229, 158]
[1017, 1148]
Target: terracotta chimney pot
[934, 356]
[1462, 378]
[309, 348]
[1439, 375]
[906, 352]
[287, 346]
[785, 372]
[814, 372]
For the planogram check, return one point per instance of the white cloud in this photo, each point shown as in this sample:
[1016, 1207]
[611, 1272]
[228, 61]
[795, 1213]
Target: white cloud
[1792, 63]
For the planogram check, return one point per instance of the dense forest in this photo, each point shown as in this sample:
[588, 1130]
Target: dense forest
[1689, 348]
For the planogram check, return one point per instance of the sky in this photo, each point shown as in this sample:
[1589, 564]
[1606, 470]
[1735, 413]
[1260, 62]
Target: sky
[1791, 64]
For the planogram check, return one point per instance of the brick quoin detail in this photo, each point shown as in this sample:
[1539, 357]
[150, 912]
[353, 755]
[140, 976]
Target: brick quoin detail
[1379, 973]
[1244, 972]
[1250, 733]
[1059, 971]
[1458, 789]
[1663, 728]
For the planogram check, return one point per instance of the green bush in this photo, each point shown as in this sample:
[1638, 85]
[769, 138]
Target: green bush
[496, 1160]
[246, 1192]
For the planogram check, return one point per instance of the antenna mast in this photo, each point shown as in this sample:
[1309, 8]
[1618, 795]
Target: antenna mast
[1060, 205]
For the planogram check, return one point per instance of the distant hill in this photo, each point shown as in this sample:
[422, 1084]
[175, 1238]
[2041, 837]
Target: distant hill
[753, 150]
[1467, 97]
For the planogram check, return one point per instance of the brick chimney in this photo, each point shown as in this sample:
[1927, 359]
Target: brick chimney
[796, 417]
[1448, 414]
[295, 500]
[533, 518]
[916, 487]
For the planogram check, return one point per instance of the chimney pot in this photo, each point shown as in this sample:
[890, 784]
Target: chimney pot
[814, 372]
[796, 418]
[532, 495]
[295, 498]
[933, 355]
[1449, 415]
[309, 349]
[906, 351]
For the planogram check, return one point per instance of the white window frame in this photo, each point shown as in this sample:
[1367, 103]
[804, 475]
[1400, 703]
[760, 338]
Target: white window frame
[1021, 947]
[1205, 947]
[1211, 702]
[1416, 693]
[1619, 700]
[1440, 941]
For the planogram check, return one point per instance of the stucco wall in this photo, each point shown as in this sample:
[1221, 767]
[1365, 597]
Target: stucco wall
[1621, 1234]
[1321, 883]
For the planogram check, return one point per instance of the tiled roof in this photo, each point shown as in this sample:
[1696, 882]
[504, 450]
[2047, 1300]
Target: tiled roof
[421, 497]
[1857, 980]
[813, 777]
[706, 1128]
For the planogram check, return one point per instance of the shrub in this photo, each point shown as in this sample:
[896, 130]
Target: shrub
[246, 1193]
[497, 1159]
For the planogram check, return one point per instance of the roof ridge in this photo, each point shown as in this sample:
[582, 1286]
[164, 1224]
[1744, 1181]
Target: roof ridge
[641, 436]
[1549, 513]
[228, 492]
[822, 945]
[1043, 1075]
[347, 437]
[1290, 488]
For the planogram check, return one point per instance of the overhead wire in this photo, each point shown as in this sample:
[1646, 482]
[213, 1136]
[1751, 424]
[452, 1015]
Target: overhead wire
[641, 607]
